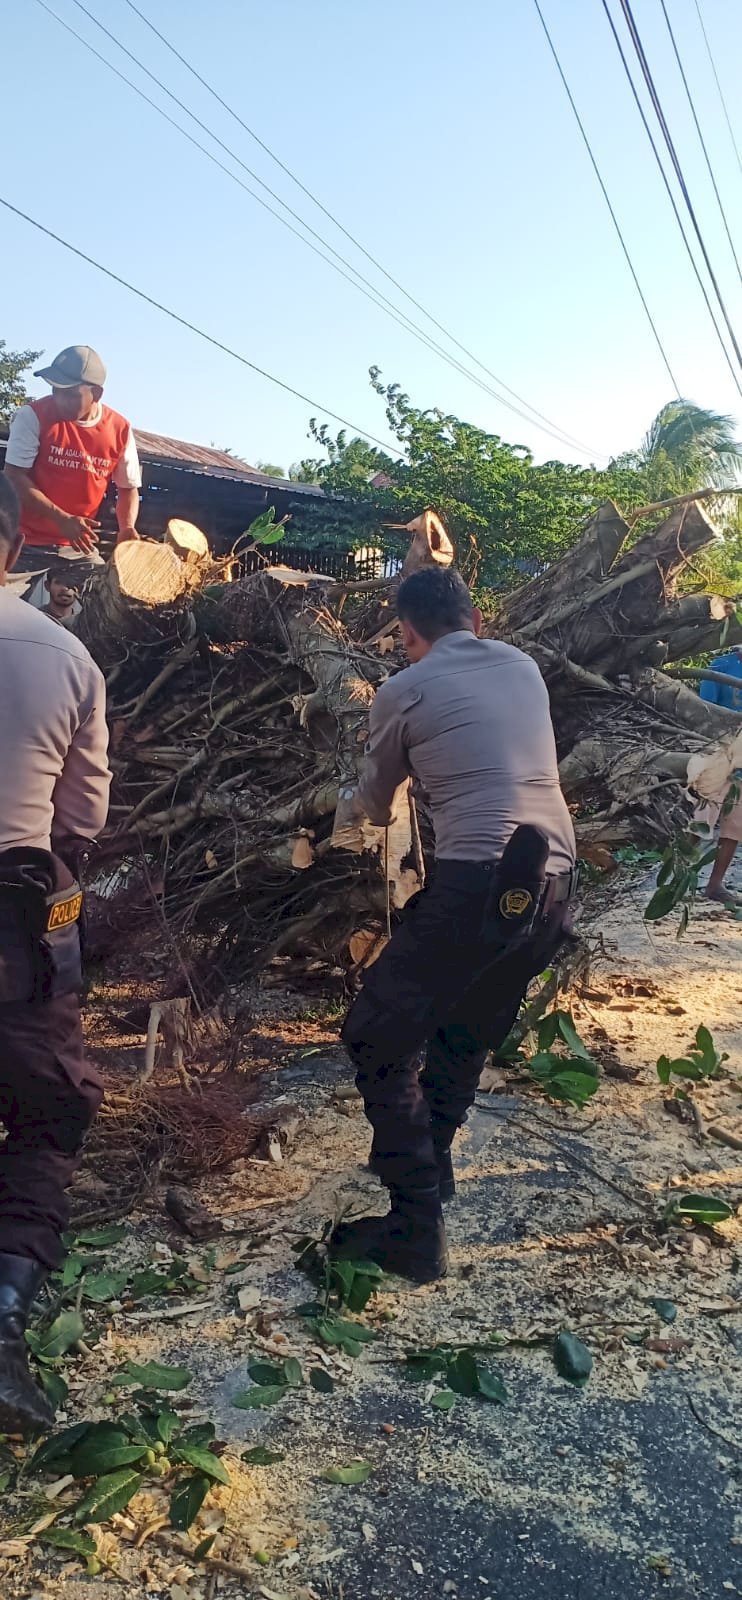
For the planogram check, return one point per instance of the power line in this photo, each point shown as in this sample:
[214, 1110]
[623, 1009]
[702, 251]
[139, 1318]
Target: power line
[340, 226]
[606, 197]
[718, 85]
[376, 295]
[657, 104]
[192, 328]
[671, 197]
[700, 135]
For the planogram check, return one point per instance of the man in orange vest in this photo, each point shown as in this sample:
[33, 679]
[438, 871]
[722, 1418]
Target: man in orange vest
[63, 451]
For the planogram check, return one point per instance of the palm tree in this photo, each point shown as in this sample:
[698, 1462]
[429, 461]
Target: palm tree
[690, 448]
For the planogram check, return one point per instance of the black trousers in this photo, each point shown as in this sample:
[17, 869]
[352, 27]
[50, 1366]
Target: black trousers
[49, 1095]
[419, 994]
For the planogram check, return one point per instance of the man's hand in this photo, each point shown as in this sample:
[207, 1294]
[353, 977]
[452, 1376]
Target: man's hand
[127, 533]
[80, 532]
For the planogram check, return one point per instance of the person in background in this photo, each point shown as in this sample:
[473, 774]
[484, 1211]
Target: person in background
[62, 453]
[730, 824]
[63, 589]
[54, 784]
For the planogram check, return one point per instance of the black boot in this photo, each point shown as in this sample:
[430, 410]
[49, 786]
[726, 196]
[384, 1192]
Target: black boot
[23, 1407]
[410, 1240]
[446, 1180]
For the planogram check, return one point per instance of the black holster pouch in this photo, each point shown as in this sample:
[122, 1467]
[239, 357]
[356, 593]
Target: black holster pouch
[40, 908]
[518, 887]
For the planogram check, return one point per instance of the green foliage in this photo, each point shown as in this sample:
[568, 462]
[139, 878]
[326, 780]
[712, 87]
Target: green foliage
[464, 1375]
[677, 878]
[13, 391]
[506, 514]
[116, 1457]
[702, 1061]
[357, 1473]
[561, 1062]
[572, 1358]
[703, 1208]
[502, 510]
[153, 1375]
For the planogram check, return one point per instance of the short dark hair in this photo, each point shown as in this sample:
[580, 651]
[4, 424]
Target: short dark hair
[10, 510]
[435, 601]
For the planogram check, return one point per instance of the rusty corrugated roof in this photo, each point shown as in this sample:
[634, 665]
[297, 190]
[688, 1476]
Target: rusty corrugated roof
[159, 447]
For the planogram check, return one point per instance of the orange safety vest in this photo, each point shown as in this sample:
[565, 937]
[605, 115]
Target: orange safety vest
[73, 468]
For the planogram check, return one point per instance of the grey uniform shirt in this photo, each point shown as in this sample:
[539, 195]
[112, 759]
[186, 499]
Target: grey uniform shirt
[53, 737]
[471, 722]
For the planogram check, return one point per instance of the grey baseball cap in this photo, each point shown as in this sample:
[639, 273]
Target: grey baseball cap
[79, 363]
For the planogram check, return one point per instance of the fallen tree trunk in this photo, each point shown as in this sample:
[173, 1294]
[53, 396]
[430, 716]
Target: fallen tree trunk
[239, 714]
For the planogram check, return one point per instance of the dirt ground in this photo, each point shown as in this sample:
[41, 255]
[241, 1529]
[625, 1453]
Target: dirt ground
[630, 1484]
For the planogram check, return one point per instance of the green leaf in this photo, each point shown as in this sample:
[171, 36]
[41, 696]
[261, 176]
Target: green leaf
[664, 1069]
[548, 1029]
[576, 1088]
[60, 1444]
[168, 1424]
[204, 1461]
[271, 538]
[699, 1208]
[357, 1473]
[662, 902]
[199, 1433]
[101, 1238]
[339, 1331]
[102, 1286]
[109, 1495]
[73, 1268]
[444, 1400]
[68, 1539]
[65, 1332]
[153, 1375]
[186, 1502]
[95, 1456]
[147, 1282]
[265, 1372]
[292, 1373]
[665, 1309]
[261, 1395]
[423, 1365]
[463, 1374]
[571, 1037]
[355, 1282]
[54, 1387]
[321, 1381]
[572, 1358]
[259, 1456]
[491, 1386]
[203, 1549]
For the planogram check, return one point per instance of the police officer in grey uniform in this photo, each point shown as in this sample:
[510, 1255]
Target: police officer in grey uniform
[469, 719]
[54, 783]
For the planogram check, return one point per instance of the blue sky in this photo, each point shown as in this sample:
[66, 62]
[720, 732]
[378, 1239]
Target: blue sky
[442, 138]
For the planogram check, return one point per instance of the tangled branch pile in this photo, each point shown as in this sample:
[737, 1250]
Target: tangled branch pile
[238, 713]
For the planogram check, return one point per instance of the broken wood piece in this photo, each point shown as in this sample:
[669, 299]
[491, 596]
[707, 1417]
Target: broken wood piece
[188, 542]
[190, 1214]
[172, 1020]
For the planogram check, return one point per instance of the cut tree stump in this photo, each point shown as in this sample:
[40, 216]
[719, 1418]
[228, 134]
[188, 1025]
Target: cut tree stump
[140, 597]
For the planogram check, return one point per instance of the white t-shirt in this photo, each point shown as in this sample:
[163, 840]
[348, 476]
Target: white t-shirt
[25, 435]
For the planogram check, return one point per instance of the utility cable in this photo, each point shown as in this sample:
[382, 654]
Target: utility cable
[668, 187]
[606, 197]
[657, 104]
[718, 85]
[376, 295]
[699, 131]
[192, 328]
[338, 224]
